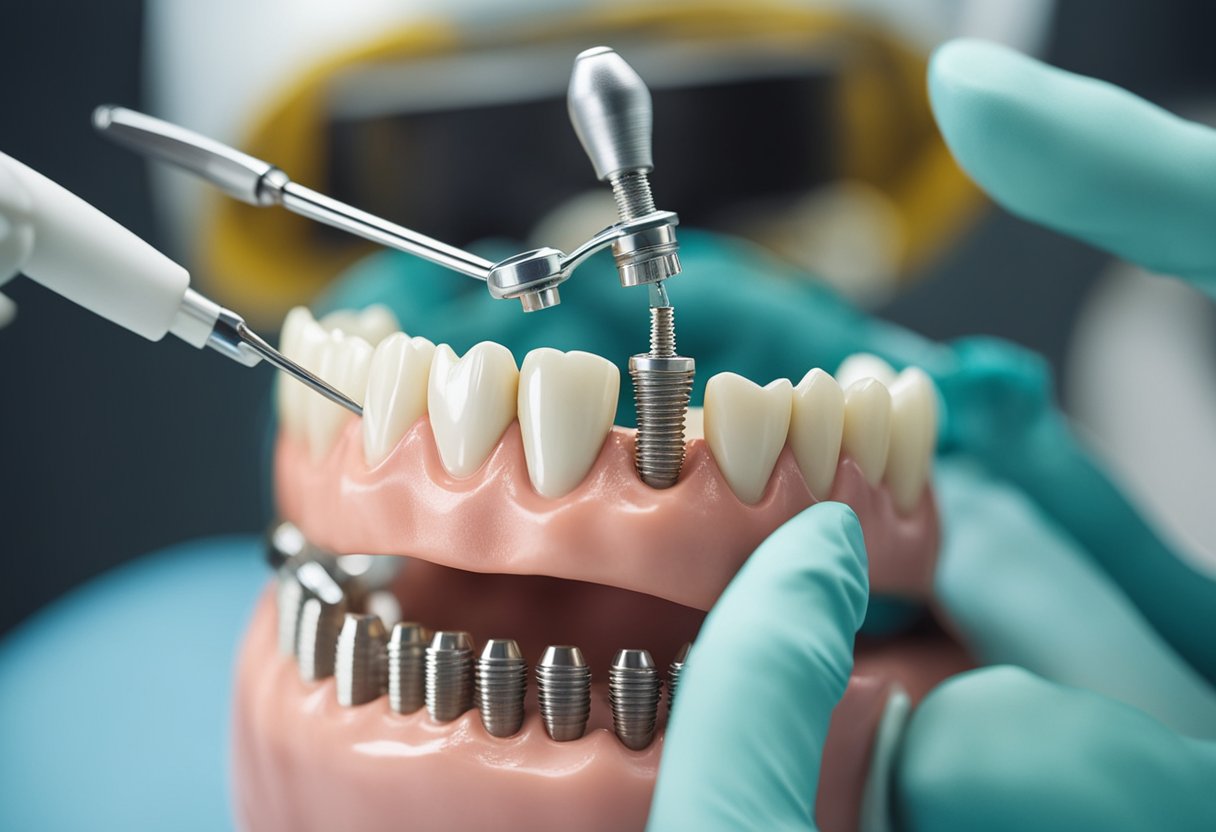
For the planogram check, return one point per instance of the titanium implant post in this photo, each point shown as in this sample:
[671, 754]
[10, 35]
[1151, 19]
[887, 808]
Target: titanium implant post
[563, 687]
[662, 385]
[407, 667]
[634, 693]
[359, 659]
[289, 600]
[320, 622]
[673, 675]
[502, 678]
[449, 675]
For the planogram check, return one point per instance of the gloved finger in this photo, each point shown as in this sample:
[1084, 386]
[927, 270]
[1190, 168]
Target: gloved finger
[772, 660]
[1018, 591]
[1081, 156]
[1001, 749]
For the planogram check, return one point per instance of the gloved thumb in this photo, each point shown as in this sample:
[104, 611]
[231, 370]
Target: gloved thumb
[744, 746]
[1081, 156]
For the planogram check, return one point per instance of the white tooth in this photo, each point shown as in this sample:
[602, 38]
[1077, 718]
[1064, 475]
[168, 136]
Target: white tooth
[567, 402]
[373, 324]
[913, 436]
[344, 361]
[863, 365]
[867, 427]
[396, 392]
[816, 426]
[305, 339]
[746, 426]
[471, 401]
[694, 424]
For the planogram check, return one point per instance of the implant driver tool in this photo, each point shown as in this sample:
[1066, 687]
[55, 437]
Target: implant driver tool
[563, 690]
[502, 680]
[359, 659]
[449, 675]
[634, 691]
[612, 113]
[407, 667]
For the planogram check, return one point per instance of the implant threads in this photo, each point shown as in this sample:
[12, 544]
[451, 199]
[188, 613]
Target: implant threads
[320, 622]
[662, 385]
[673, 675]
[407, 667]
[563, 688]
[634, 694]
[631, 190]
[449, 675]
[359, 659]
[289, 599]
[502, 678]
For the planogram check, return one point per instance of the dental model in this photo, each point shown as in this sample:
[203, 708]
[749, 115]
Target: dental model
[501, 507]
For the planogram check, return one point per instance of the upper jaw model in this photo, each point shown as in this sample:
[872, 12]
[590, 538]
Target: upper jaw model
[523, 527]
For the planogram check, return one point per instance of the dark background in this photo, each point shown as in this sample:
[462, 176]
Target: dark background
[113, 448]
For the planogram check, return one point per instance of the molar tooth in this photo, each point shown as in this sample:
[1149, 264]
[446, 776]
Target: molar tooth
[913, 436]
[344, 361]
[567, 402]
[867, 427]
[471, 401]
[746, 426]
[301, 341]
[861, 365]
[373, 324]
[816, 427]
[396, 392]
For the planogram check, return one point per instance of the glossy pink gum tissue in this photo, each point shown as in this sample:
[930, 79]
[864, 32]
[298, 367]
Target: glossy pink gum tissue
[683, 544]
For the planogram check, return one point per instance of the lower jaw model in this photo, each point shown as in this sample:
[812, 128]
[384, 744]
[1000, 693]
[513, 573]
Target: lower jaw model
[506, 667]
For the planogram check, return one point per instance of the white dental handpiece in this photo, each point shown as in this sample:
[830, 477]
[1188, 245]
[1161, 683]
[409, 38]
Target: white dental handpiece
[57, 239]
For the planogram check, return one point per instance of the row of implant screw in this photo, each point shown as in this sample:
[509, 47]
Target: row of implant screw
[441, 672]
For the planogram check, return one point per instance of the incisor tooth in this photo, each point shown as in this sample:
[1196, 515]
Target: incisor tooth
[867, 427]
[471, 401]
[816, 427]
[567, 402]
[396, 392]
[746, 426]
[913, 436]
[373, 324]
[289, 346]
[343, 363]
[305, 341]
[861, 365]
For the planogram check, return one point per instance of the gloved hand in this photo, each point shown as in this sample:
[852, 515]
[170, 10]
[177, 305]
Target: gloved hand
[1045, 563]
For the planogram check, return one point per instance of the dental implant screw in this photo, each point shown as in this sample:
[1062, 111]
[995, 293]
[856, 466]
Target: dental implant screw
[289, 601]
[563, 688]
[634, 694]
[407, 667]
[449, 675]
[673, 675]
[662, 386]
[360, 659]
[502, 679]
[320, 622]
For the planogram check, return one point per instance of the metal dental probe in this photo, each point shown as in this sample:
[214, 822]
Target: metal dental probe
[612, 113]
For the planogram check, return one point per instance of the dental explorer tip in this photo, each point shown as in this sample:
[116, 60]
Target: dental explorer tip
[449, 675]
[502, 679]
[320, 622]
[407, 667]
[563, 686]
[359, 659]
[673, 675]
[634, 694]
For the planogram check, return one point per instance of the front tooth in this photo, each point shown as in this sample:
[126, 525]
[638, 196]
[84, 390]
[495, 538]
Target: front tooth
[304, 340]
[694, 424]
[344, 364]
[867, 427]
[913, 436]
[864, 365]
[816, 426]
[373, 324]
[746, 427]
[471, 401]
[396, 392]
[567, 402]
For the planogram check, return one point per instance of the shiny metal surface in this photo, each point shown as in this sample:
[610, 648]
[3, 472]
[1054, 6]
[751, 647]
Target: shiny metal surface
[634, 690]
[359, 660]
[320, 622]
[502, 681]
[563, 691]
[611, 110]
[662, 384]
[673, 675]
[407, 667]
[289, 601]
[449, 675]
